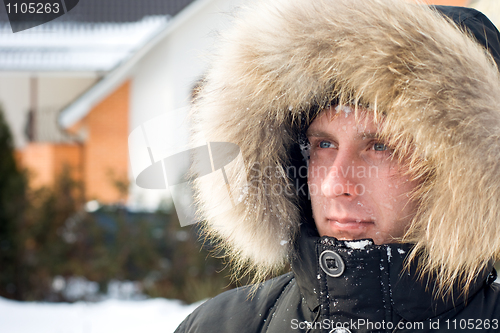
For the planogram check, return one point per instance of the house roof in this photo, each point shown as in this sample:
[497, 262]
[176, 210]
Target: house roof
[75, 46]
[84, 104]
[118, 10]
[94, 36]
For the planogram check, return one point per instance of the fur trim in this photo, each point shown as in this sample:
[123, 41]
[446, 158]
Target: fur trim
[435, 86]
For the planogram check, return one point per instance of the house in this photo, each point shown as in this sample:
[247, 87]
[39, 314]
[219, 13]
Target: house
[113, 63]
[44, 70]
[123, 78]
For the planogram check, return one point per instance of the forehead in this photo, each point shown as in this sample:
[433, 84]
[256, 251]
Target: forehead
[346, 119]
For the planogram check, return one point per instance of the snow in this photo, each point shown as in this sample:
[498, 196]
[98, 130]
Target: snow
[345, 108]
[358, 245]
[154, 315]
[75, 46]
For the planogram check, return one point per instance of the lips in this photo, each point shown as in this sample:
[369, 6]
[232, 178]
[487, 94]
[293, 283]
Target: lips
[349, 223]
[349, 220]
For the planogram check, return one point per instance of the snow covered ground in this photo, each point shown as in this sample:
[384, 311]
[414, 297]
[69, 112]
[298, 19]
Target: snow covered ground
[151, 316]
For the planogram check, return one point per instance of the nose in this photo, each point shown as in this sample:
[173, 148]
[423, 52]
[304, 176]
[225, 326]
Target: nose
[341, 179]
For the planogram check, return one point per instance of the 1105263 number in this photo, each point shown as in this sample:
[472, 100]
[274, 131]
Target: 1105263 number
[33, 8]
[472, 324]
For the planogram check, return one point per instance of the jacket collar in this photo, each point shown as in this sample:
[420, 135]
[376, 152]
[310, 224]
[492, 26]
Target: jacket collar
[373, 278]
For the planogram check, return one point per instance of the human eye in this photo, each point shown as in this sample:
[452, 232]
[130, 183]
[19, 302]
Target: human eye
[377, 152]
[325, 144]
[379, 146]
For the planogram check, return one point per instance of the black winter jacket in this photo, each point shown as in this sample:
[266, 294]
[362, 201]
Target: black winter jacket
[374, 293]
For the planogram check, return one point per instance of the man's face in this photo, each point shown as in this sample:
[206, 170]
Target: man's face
[357, 190]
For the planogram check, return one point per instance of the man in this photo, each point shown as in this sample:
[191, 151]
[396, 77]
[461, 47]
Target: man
[394, 108]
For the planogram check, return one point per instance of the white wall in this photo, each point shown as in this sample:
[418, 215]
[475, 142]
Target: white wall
[163, 79]
[15, 102]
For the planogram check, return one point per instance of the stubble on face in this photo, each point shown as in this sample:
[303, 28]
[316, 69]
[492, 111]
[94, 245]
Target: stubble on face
[357, 189]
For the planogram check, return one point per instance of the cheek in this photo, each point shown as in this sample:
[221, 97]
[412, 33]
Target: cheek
[403, 205]
[313, 184]
[391, 194]
[315, 173]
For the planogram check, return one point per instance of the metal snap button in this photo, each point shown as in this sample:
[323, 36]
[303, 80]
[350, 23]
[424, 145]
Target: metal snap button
[331, 263]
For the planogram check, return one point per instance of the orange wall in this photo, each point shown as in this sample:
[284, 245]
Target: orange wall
[45, 161]
[38, 159]
[106, 150]
[70, 155]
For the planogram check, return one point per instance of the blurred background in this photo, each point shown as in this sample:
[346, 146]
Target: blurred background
[74, 225]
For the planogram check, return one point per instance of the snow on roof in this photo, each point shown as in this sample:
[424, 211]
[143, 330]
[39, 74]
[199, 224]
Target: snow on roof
[75, 46]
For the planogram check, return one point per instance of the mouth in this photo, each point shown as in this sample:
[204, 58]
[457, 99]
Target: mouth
[349, 224]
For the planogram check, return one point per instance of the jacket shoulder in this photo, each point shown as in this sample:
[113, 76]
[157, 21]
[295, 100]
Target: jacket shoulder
[482, 311]
[483, 30]
[239, 310]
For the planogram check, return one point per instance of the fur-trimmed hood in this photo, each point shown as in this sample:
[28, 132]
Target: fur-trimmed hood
[435, 87]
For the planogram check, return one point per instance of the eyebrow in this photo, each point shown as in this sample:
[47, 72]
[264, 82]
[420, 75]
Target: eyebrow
[323, 134]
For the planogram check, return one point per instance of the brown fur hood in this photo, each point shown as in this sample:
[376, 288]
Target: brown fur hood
[434, 86]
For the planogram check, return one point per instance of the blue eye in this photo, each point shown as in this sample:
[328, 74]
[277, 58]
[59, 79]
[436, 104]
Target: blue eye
[325, 144]
[379, 147]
